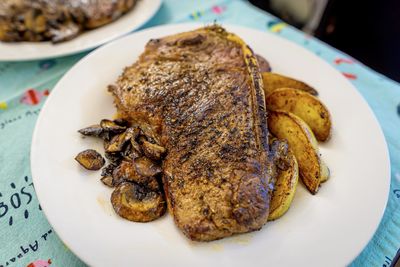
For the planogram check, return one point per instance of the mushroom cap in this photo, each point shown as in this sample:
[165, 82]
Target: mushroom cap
[137, 203]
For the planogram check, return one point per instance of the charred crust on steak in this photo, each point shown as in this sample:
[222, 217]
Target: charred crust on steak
[199, 95]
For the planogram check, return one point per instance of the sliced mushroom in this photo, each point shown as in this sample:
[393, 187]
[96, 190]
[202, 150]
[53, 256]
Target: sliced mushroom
[146, 167]
[93, 130]
[117, 143]
[126, 171]
[108, 170]
[114, 157]
[149, 133]
[137, 203]
[107, 180]
[153, 184]
[106, 136]
[112, 127]
[30, 19]
[106, 144]
[130, 153]
[64, 32]
[142, 138]
[135, 132]
[121, 122]
[153, 151]
[40, 24]
[136, 146]
[90, 159]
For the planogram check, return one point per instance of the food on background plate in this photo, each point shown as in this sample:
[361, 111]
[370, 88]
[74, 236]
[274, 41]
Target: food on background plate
[192, 130]
[56, 20]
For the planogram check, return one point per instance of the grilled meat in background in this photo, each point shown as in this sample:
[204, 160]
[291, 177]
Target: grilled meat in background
[56, 20]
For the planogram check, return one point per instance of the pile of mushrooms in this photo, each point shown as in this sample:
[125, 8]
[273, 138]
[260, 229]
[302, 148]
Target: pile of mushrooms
[133, 168]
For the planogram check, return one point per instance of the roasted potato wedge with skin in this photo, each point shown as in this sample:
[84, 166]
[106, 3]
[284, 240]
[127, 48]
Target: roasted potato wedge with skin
[307, 107]
[302, 142]
[284, 189]
[273, 81]
[137, 203]
[325, 172]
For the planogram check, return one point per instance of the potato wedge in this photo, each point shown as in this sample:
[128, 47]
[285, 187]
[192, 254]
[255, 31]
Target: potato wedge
[273, 81]
[306, 106]
[325, 172]
[302, 142]
[285, 188]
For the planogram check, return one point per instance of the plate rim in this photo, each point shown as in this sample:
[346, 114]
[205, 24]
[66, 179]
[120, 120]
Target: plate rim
[92, 46]
[228, 25]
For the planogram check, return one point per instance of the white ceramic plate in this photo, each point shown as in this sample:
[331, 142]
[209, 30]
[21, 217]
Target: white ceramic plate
[328, 229]
[140, 14]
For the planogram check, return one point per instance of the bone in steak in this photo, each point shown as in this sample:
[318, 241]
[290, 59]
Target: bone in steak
[199, 94]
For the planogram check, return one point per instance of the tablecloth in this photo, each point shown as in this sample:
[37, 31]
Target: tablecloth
[27, 239]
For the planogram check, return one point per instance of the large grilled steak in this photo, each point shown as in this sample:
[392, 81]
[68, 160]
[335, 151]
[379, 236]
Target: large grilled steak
[200, 95]
[56, 20]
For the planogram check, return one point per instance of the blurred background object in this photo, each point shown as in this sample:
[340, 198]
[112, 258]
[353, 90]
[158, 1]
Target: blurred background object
[367, 30]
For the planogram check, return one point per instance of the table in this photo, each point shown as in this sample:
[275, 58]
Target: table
[27, 237]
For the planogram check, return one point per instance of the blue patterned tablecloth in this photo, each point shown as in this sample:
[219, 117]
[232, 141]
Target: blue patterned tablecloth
[27, 239]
